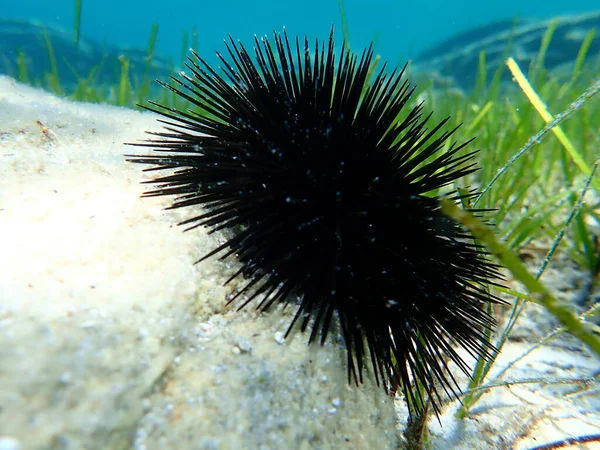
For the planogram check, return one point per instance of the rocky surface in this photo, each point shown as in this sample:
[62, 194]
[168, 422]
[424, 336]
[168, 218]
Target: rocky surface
[111, 337]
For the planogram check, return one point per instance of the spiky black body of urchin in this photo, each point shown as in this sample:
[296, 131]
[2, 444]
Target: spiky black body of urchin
[325, 180]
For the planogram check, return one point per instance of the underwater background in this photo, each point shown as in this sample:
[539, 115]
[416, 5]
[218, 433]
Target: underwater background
[400, 29]
[110, 336]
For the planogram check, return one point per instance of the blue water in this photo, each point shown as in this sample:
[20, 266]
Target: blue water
[400, 29]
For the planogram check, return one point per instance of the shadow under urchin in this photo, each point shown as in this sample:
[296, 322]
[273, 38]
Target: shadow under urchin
[325, 177]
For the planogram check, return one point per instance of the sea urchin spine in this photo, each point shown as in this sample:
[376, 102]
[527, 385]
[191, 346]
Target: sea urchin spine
[326, 180]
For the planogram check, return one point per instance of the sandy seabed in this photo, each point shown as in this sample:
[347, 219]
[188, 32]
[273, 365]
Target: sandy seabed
[111, 337]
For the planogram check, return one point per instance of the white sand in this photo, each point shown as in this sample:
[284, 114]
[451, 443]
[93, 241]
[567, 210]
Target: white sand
[110, 336]
[525, 415]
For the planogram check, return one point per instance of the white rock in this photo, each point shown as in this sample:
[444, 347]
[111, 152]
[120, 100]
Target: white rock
[97, 283]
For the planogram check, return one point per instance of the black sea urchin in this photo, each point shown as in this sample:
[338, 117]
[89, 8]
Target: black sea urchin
[326, 182]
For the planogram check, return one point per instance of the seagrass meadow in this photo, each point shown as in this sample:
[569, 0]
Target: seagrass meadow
[536, 125]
